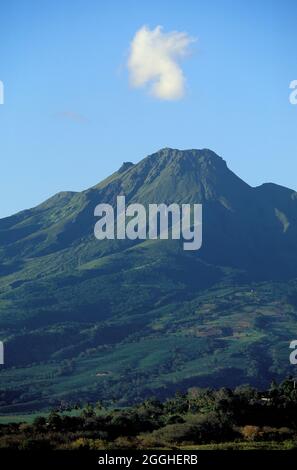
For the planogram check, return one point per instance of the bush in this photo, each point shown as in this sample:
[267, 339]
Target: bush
[251, 433]
[39, 422]
[174, 419]
[35, 444]
[266, 433]
[175, 433]
[148, 441]
[9, 442]
[124, 442]
[97, 444]
[80, 444]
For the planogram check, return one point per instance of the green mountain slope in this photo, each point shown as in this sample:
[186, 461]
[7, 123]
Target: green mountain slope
[117, 319]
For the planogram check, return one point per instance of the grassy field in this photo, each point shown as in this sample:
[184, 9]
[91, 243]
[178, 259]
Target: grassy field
[266, 445]
[207, 341]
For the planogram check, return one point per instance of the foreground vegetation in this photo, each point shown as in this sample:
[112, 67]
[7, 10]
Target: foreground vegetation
[243, 418]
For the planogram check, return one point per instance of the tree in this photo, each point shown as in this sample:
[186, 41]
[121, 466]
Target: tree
[39, 423]
[54, 421]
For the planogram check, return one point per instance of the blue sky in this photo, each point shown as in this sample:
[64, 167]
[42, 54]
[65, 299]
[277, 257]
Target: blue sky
[70, 117]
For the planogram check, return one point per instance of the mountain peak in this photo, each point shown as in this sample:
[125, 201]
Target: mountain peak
[189, 154]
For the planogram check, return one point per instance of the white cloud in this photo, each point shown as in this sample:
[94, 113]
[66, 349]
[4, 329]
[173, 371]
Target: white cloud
[153, 60]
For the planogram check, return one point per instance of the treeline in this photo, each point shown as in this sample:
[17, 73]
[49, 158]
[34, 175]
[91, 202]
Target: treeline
[201, 416]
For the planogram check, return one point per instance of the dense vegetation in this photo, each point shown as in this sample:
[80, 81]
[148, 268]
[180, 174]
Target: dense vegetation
[223, 418]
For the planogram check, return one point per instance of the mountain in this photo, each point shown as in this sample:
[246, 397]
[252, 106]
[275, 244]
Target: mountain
[120, 320]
